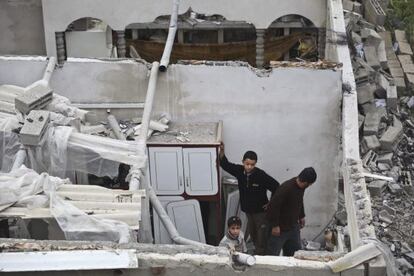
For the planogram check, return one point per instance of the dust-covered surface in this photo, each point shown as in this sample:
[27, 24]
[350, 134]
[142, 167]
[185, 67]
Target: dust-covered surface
[187, 133]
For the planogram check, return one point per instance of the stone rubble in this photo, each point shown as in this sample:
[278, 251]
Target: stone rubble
[385, 89]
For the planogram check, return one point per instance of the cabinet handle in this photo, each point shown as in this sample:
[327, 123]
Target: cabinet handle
[187, 181]
[181, 181]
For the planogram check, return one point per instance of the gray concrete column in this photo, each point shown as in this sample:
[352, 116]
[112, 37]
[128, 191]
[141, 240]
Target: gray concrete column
[180, 36]
[321, 43]
[286, 31]
[134, 34]
[260, 47]
[121, 44]
[60, 47]
[220, 36]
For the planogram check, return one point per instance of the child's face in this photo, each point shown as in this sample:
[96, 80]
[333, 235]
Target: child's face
[234, 230]
[249, 165]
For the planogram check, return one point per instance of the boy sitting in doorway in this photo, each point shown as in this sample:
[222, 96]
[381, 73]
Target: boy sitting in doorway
[234, 238]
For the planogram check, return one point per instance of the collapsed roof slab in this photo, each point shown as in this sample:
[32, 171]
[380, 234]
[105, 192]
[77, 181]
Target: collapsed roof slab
[169, 259]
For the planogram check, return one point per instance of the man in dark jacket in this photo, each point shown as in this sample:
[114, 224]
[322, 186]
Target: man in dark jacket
[253, 184]
[286, 214]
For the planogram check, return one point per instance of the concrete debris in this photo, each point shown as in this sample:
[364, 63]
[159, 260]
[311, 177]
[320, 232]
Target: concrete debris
[391, 137]
[370, 143]
[34, 127]
[377, 187]
[374, 12]
[383, 62]
[37, 97]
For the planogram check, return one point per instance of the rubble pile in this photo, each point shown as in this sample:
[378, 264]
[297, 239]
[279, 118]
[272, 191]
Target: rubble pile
[384, 74]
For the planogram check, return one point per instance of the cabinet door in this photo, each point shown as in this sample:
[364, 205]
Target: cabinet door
[186, 216]
[200, 171]
[166, 170]
[161, 235]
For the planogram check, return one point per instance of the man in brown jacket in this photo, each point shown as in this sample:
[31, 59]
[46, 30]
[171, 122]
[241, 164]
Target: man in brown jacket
[286, 214]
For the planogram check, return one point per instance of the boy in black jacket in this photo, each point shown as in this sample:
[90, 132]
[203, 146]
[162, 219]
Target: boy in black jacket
[253, 184]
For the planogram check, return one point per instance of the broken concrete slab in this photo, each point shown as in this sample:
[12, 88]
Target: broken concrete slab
[370, 143]
[377, 187]
[365, 93]
[36, 98]
[34, 127]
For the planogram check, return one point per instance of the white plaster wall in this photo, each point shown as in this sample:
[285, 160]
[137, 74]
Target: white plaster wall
[58, 14]
[101, 82]
[291, 119]
[21, 28]
[21, 71]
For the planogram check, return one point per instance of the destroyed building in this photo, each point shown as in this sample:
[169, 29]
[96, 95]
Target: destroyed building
[120, 151]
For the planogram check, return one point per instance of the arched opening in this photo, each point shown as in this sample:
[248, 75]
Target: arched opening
[199, 37]
[292, 37]
[89, 37]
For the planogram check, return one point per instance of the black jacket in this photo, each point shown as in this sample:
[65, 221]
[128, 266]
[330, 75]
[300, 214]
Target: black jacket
[252, 188]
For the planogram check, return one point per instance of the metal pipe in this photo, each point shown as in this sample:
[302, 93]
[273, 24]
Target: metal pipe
[165, 59]
[20, 158]
[146, 116]
[49, 69]
[113, 123]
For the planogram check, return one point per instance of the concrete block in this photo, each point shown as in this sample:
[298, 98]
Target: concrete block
[371, 56]
[371, 124]
[385, 158]
[365, 93]
[405, 59]
[410, 81]
[348, 5]
[369, 158]
[370, 143]
[395, 188]
[36, 98]
[382, 87]
[394, 64]
[34, 127]
[383, 167]
[406, 182]
[396, 72]
[408, 68]
[382, 55]
[358, 7]
[401, 86]
[404, 48]
[391, 136]
[400, 36]
[377, 187]
[385, 217]
[392, 98]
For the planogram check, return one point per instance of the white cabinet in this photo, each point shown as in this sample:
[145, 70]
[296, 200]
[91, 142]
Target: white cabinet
[175, 170]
